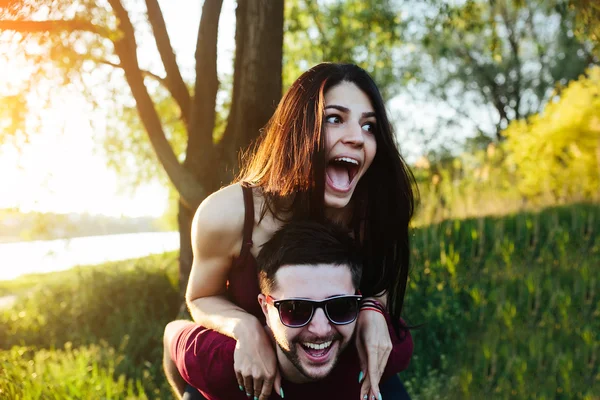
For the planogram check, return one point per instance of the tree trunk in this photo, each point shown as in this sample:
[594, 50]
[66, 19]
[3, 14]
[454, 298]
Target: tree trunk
[256, 92]
[256, 79]
[184, 221]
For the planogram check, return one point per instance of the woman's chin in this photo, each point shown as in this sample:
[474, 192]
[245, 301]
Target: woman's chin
[337, 201]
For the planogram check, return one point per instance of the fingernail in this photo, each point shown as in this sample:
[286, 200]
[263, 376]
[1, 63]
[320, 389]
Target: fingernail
[380, 396]
[255, 398]
[360, 378]
[281, 392]
[241, 388]
[366, 397]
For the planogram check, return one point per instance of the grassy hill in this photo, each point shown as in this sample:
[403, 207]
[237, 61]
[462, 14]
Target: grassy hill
[510, 309]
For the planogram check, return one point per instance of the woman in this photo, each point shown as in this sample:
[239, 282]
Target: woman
[327, 152]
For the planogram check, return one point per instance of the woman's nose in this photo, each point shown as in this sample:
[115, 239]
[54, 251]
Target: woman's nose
[354, 135]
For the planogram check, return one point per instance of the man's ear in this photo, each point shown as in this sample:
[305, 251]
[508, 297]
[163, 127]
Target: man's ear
[262, 300]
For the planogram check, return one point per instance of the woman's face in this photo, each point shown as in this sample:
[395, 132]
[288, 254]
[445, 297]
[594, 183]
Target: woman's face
[350, 141]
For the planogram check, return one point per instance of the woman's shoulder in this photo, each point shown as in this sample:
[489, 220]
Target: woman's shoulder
[227, 197]
[219, 221]
[222, 211]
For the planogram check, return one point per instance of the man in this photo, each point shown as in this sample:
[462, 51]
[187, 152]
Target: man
[309, 275]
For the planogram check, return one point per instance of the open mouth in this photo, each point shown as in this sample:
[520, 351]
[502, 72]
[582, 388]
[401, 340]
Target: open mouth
[317, 352]
[341, 172]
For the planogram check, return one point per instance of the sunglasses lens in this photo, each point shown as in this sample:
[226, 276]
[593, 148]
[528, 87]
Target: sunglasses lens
[343, 310]
[295, 312]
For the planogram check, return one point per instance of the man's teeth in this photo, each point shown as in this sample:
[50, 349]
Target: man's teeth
[346, 159]
[318, 346]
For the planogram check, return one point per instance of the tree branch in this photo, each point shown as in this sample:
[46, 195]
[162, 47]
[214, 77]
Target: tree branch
[147, 73]
[494, 97]
[73, 25]
[538, 43]
[443, 97]
[514, 46]
[174, 81]
[191, 193]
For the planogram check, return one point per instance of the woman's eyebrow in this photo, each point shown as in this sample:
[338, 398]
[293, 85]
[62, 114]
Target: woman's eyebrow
[340, 108]
[347, 110]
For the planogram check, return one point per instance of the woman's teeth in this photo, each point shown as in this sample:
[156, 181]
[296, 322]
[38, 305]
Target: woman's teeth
[346, 159]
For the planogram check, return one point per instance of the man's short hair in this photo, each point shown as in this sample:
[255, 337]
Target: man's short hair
[307, 243]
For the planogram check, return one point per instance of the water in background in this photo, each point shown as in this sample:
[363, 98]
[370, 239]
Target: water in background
[40, 256]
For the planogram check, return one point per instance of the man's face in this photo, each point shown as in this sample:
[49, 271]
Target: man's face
[314, 348]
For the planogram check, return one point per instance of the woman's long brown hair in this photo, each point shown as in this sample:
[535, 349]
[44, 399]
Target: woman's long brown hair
[288, 164]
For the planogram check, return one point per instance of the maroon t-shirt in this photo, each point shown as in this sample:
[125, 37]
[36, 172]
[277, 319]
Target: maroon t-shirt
[204, 359]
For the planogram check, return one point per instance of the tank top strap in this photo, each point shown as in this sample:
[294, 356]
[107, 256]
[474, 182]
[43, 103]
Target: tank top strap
[248, 220]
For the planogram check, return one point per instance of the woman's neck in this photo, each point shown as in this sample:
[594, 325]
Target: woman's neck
[342, 216]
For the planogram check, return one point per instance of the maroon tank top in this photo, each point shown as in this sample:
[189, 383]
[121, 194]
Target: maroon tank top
[242, 287]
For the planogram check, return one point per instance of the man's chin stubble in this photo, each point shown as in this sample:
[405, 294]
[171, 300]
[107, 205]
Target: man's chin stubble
[292, 356]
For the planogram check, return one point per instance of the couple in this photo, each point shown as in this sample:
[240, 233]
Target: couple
[309, 275]
[327, 154]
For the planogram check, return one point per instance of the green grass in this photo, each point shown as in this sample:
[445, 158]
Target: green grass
[94, 333]
[30, 282]
[85, 372]
[510, 308]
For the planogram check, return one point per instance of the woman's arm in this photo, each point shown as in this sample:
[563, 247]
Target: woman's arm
[216, 241]
[375, 345]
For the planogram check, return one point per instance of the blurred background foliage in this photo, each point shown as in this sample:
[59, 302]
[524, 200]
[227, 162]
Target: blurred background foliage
[364, 32]
[503, 57]
[557, 153]
[522, 78]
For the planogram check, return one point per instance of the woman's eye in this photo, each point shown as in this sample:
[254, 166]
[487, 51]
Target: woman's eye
[333, 119]
[369, 126]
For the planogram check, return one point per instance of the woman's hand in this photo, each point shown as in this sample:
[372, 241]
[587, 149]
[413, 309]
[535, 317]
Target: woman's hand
[255, 364]
[374, 346]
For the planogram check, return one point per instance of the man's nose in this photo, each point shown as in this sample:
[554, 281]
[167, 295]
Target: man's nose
[319, 325]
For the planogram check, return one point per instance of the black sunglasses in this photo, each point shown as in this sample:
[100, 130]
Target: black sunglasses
[296, 313]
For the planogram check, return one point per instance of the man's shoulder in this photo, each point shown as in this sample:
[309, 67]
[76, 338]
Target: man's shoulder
[208, 362]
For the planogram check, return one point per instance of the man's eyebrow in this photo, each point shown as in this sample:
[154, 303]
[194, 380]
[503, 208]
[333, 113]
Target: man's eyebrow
[346, 110]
